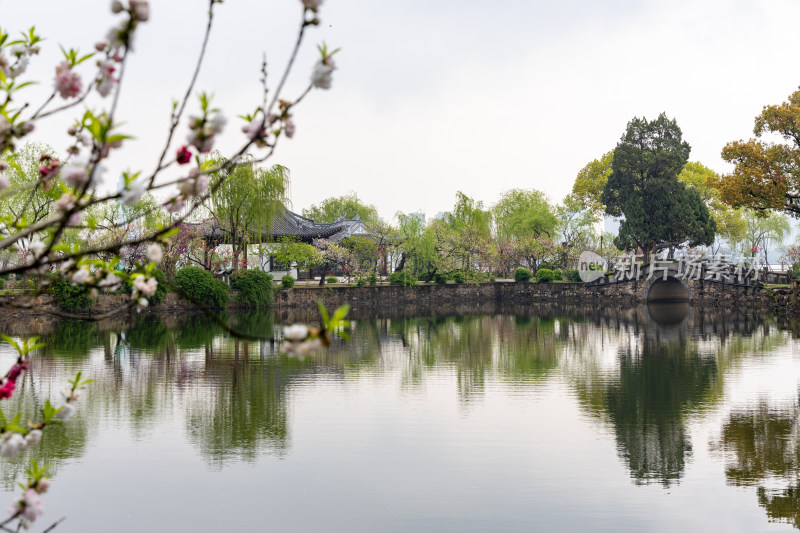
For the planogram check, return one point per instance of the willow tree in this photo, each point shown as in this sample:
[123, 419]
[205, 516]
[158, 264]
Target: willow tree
[246, 203]
[524, 213]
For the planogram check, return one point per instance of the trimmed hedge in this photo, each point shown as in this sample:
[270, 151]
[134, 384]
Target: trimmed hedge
[287, 281]
[440, 278]
[402, 278]
[331, 279]
[202, 285]
[254, 286]
[544, 275]
[459, 277]
[573, 275]
[522, 275]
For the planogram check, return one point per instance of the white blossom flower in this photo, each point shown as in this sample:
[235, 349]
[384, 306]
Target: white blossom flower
[295, 332]
[145, 286]
[11, 443]
[288, 128]
[218, 123]
[82, 276]
[322, 75]
[155, 253]
[196, 186]
[5, 182]
[309, 346]
[66, 410]
[67, 265]
[33, 437]
[116, 6]
[19, 68]
[104, 86]
[142, 304]
[5, 66]
[134, 192]
[37, 248]
[110, 282]
[253, 129]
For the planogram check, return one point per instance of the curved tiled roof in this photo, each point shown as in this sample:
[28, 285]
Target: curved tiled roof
[290, 224]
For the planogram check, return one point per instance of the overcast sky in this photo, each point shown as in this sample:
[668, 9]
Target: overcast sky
[432, 97]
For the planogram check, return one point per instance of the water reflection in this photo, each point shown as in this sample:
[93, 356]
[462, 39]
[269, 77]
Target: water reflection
[761, 445]
[643, 375]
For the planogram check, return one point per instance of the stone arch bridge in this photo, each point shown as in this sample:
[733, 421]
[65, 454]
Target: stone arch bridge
[671, 281]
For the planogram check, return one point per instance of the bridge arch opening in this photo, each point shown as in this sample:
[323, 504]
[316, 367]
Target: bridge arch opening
[669, 290]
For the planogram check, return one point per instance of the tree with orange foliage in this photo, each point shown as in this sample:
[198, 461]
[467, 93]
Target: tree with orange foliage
[767, 175]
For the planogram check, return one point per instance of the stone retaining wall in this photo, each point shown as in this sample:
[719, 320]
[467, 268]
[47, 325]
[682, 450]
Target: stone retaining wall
[430, 296]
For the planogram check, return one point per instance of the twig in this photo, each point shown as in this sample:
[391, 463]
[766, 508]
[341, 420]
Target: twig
[176, 116]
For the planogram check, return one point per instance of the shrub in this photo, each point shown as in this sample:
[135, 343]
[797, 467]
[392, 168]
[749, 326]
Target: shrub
[459, 277]
[331, 279]
[558, 275]
[254, 286]
[522, 275]
[440, 278]
[402, 278]
[201, 285]
[287, 281]
[372, 278]
[572, 275]
[361, 282]
[544, 275]
[69, 296]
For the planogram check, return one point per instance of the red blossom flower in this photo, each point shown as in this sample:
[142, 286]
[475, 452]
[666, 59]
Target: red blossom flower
[7, 389]
[184, 155]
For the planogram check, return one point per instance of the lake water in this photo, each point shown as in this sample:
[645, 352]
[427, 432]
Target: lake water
[525, 419]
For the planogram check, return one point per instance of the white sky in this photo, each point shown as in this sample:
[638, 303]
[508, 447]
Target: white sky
[432, 97]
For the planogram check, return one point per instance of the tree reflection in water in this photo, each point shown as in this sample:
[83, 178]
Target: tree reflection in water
[641, 379]
[761, 446]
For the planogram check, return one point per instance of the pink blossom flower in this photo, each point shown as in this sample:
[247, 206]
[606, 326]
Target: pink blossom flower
[174, 204]
[184, 155]
[65, 203]
[140, 10]
[5, 182]
[67, 83]
[75, 175]
[31, 505]
[43, 485]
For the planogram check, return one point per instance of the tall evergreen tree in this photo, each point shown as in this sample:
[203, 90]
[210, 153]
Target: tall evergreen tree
[643, 187]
